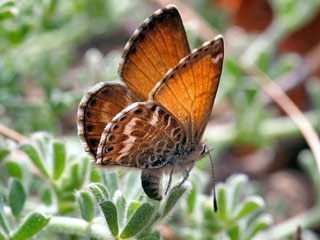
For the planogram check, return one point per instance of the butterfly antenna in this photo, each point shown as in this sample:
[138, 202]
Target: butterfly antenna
[215, 205]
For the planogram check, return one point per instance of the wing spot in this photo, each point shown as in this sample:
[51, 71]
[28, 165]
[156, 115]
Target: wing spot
[154, 107]
[106, 92]
[115, 127]
[88, 114]
[107, 160]
[111, 138]
[133, 50]
[89, 128]
[122, 118]
[108, 149]
[93, 102]
[151, 25]
[172, 76]
[93, 142]
[138, 111]
[161, 18]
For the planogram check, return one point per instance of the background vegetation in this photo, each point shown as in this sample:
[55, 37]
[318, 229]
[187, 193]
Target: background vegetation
[52, 52]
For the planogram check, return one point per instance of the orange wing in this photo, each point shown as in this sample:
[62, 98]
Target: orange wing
[154, 48]
[188, 91]
[97, 108]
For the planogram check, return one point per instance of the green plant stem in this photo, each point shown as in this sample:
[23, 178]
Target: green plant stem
[308, 219]
[281, 127]
[78, 227]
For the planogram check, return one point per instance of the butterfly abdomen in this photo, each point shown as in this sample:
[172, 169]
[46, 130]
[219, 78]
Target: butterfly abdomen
[150, 180]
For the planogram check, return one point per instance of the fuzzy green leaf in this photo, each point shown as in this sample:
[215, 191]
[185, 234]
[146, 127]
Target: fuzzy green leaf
[308, 163]
[191, 199]
[2, 236]
[222, 202]
[59, 158]
[86, 205]
[259, 224]
[234, 233]
[35, 158]
[210, 219]
[8, 12]
[3, 219]
[14, 169]
[174, 196]
[69, 180]
[110, 213]
[82, 170]
[138, 221]
[31, 226]
[7, 3]
[250, 204]
[99, 191]
[236, 182]
[46, 197]
[43, 143]
[3, 154]
[132, 208]
[121, 205]
[17, 196]
[111, 181]
[76, 174]
[94, 174]
[132, 187]
[150, 236]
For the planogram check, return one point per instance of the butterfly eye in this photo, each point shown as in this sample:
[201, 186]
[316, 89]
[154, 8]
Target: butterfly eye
[204, 150]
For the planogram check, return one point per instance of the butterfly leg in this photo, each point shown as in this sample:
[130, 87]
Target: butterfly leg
[186, 174]
[169, 183]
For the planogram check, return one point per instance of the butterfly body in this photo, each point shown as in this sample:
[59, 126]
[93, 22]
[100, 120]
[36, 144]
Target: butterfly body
[155, 123]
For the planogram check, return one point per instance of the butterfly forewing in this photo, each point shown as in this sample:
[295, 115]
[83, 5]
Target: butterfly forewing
[144, 135]
[97, 108]
[188, 91]
[156, 46]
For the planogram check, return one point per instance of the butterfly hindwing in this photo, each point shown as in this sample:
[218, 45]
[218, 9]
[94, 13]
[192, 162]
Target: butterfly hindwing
[188, 90]
[155, 47]
[144, 135]
[97, 108]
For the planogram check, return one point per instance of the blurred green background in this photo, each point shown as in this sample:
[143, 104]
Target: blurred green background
[52, 52]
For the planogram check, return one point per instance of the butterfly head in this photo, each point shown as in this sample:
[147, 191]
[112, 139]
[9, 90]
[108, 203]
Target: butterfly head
[201, 151]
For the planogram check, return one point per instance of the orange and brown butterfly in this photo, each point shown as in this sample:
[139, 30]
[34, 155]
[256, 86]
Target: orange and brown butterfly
[156, 121]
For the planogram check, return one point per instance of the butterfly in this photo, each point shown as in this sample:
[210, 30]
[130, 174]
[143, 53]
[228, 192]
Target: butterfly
[156, 121]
